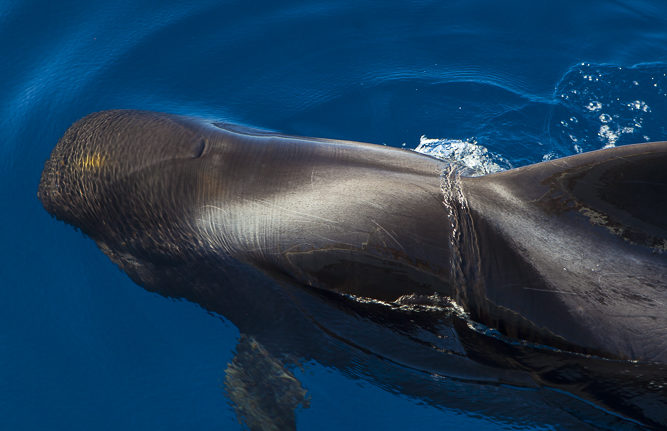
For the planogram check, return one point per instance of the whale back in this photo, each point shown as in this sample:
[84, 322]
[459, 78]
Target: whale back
[573, 251]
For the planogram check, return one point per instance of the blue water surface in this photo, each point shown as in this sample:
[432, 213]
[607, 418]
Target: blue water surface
[82, 347]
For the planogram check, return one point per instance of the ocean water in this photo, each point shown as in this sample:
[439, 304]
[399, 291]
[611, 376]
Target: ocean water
[83, 347]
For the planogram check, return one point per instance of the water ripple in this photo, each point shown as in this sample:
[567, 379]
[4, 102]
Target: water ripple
[63, 73]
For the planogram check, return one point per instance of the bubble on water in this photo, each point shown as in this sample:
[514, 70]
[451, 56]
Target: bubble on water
[639, 105]
[625, 105]
[594, 105]
[610, 136]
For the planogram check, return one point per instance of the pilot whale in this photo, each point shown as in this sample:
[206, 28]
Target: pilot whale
[519, 276]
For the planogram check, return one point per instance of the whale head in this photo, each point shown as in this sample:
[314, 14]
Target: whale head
[158, 190]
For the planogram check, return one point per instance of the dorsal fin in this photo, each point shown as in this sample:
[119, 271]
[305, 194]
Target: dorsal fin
[623, 189]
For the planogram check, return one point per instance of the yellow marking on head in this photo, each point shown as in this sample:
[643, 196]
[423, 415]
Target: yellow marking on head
[91, 161]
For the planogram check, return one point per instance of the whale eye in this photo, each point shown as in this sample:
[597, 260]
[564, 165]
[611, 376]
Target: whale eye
[199, 149]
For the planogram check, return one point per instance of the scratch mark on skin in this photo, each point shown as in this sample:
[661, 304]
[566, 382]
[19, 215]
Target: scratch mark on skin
[273, 205]
[211, 231]
[551, 291]
[388, 234]
[338, 242]
[278, 207]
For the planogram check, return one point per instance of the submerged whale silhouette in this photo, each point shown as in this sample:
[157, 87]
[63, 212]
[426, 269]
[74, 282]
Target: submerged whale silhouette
[552, 275]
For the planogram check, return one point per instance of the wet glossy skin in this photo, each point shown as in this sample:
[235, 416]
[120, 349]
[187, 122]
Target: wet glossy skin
[301, 208]
[577, 247]
[309, 243]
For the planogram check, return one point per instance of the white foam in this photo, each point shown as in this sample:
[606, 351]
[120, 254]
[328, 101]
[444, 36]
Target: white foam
[476, 159]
